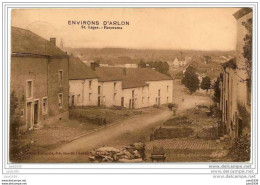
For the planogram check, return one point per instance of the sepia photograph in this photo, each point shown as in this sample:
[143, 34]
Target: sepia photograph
[130, 85]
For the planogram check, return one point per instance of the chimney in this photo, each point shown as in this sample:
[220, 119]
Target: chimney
[53, 41]
[93, 66]
[124, 71]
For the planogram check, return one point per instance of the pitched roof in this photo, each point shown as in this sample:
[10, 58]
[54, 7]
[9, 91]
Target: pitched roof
[79, 70]
[133, 77]
[26, 42]
[230, 64]
[180, 58]
[243, 11]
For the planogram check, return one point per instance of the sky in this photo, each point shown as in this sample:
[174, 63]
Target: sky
[149, 28]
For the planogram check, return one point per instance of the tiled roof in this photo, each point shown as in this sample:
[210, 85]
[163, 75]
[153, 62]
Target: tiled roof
[26, 42]
[133, 77]
[79, 70]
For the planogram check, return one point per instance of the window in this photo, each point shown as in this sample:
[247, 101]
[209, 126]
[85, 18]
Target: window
[60, 100]
[148, 100]
[133, 93]
[99, 89]
[114, 85]
[90, 84]
[44, 105]
[159, 92]
[89, 96]
[29, 89]
[142, 100]
[167, 88]
[114, 96]
[167, 99]
[60, 76]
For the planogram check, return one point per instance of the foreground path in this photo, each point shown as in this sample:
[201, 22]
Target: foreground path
[68, 152]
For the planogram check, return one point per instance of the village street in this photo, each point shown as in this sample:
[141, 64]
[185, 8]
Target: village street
[134, 129]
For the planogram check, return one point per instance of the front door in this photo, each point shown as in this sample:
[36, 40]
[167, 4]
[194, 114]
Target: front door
[36, 112]
[72, 100]
[99, 101]
[122, 101]
[159, 101]
[29, 115]
[130, 104]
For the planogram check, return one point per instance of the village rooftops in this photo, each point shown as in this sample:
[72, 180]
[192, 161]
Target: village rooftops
[130, 77]
[25, 42]
[78, 70]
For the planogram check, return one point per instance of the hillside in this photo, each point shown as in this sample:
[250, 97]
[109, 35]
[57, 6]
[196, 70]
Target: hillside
[123, 55]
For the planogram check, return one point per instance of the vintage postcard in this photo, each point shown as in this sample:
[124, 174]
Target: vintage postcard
[130, 85]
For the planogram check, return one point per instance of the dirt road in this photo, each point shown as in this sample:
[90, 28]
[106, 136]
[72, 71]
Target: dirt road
[75, 150]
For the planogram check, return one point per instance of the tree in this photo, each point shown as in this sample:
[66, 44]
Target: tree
[97, 63]
[216, 97]
[247, 48]
[247, 54]
[14, 118]
[190, 79]
[207, 59]
[142, 64]
[205, 84]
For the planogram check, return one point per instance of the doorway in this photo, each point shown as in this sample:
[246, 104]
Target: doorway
[72, 100]
[36, 112]
[99, 103]
[29, 115]
[122, 102]
[159, 101]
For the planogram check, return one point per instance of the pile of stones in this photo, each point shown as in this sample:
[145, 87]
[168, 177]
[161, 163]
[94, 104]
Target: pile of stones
[132, 153]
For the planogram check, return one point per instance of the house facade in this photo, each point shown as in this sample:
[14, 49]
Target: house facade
[235, 102]
[39, 79]
[83, 84]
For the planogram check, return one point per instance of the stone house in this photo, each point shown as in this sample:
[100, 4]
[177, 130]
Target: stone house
[39, 78]
[235, 102]
[83, 84]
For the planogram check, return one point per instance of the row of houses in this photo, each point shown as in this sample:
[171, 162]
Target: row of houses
[45, 81]
[125, 87]
[235, 100]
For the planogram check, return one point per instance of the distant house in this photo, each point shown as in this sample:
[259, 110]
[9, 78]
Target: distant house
[131, 66]
[83, 84]
[134, 87]
[220, 59]
[235, 87]
[179, 62]
[39, 78]
[104, 65]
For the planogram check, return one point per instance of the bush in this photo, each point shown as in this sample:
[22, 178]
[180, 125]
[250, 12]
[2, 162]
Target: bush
[240, 150]
[170, 106]
[155, 106]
